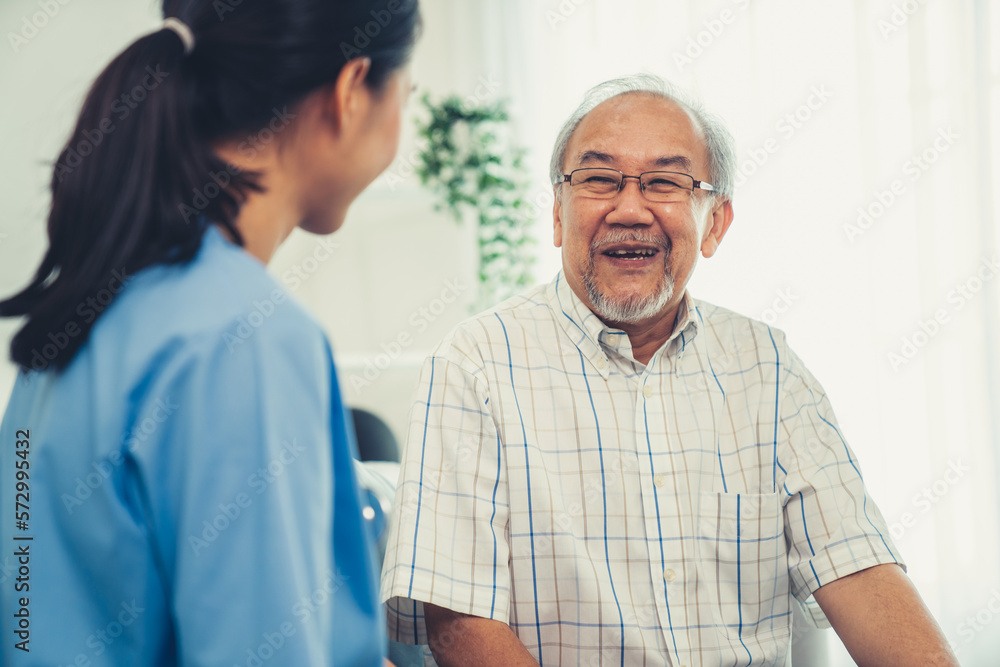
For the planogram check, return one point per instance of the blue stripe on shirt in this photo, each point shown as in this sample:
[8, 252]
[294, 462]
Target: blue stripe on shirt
[739, 581]
[420, 488]
[527, 473]
[604, 490]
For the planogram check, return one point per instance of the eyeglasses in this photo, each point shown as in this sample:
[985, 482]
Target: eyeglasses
[657, 186]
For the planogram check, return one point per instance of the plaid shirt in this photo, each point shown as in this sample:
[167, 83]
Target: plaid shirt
[618, 513]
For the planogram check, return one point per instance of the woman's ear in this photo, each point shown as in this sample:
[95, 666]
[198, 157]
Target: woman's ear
[349, 97]
[718, 224]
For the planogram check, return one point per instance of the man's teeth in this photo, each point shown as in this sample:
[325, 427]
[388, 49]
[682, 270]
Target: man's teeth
[645, 252]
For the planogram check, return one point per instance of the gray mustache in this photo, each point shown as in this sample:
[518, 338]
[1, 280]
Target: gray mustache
[622, 236]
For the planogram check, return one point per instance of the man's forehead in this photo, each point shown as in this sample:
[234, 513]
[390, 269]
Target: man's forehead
[641, 98]
[588, 156]
[661, 130]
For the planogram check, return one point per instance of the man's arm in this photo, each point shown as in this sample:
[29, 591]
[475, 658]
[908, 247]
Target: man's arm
[882, 621]
[460, 639]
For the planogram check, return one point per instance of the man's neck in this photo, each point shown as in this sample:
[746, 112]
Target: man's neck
[648, 336]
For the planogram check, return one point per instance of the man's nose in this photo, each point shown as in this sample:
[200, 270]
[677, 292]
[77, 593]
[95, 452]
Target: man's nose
[630, 205]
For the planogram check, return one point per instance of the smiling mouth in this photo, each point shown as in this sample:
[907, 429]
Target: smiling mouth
[631, 253]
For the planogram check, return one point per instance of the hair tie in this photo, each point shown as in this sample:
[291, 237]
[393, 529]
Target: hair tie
[182, 30]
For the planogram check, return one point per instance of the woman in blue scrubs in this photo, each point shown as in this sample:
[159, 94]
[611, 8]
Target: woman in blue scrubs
[177, 484]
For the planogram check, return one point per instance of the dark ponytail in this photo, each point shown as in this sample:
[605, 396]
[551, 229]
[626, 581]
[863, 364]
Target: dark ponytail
[137, 181]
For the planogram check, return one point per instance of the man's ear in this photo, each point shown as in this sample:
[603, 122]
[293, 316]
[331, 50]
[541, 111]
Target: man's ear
[718, 224]
[557, 217]
[347, 100]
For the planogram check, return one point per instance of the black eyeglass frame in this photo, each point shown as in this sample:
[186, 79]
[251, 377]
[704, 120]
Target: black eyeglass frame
[701, 185]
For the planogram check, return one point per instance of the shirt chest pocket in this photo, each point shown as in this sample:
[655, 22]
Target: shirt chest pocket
[742, 564]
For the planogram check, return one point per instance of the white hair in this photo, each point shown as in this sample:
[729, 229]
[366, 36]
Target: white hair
[718, 141]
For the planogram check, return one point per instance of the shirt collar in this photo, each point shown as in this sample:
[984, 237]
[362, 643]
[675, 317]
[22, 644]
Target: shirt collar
[595, 339]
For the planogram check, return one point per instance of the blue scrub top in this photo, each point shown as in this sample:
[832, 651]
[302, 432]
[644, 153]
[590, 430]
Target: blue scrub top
[189, 493]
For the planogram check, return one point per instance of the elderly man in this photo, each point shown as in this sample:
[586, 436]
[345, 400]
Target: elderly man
[606, 470]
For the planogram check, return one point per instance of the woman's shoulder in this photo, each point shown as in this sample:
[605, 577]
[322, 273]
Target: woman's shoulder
[222, 295]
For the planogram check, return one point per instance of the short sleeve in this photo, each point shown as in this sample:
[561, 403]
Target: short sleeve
[242, 471]
[832, 525]
[448, 541]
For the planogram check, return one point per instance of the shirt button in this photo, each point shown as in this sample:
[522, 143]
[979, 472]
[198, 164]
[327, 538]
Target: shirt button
[669, 574]
[647, 391]
[659, 479]
[602, 362]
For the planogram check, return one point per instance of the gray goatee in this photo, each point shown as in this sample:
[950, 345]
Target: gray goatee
[628, 308]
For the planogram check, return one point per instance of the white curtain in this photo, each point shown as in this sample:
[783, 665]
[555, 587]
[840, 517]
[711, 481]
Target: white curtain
[865, 225]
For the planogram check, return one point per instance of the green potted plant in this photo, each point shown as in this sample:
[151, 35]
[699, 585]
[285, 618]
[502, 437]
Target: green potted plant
[468, 161]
